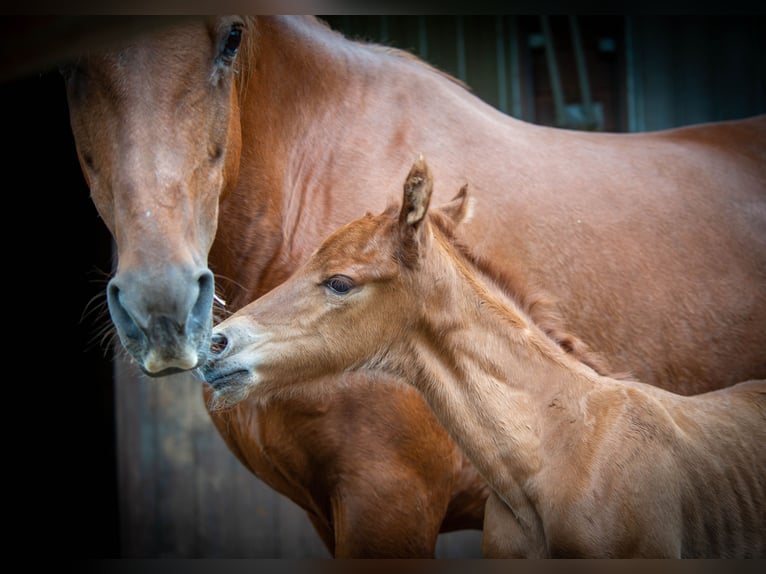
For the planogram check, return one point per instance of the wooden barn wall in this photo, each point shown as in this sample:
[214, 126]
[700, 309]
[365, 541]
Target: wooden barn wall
[691, 69]
[650, 72]
[181, 493]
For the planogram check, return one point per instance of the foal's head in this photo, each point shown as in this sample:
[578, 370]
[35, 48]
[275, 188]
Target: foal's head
[352, 299]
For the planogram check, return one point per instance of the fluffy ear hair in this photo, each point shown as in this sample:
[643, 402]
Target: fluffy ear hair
[417, 194]
[460, 208]
[415, 200]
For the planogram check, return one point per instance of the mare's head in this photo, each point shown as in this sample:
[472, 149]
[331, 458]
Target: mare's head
[342, 309]
[156, 126]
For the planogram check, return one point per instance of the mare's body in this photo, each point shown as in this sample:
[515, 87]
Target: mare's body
[580, 464]
[202, 151]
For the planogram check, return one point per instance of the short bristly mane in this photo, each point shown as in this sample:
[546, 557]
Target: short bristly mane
[538, 305]
[248, 52]
[399, 53]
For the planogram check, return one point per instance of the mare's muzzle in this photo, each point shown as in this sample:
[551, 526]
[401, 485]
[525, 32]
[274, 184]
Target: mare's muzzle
[164, 320]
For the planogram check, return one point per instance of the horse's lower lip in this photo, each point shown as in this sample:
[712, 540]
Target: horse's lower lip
[219, 380]
[165, 372]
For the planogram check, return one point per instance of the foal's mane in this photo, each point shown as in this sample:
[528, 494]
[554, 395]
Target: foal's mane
[538, 305]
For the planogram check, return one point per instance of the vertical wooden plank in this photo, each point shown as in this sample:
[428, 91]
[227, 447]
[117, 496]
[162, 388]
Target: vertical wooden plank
[383, 36]
[441, 43]
[422, 38]
[584, 78]
[554, 74]
[528, 27]
[501, 67]
[738, 53]
[633, 79]
[460, 65]
[179, 418]
[482, 58]
[157, 424]
[655, 34]
[515, 76]
[135, 432]
[694, 102]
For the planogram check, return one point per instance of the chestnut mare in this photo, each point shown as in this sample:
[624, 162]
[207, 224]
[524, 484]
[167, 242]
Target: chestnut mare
[232, 146]
[580, 464]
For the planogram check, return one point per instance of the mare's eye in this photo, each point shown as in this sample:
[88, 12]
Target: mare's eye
[340, 284]
[231, 45]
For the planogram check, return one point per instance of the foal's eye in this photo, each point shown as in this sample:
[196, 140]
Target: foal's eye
[231, 45]
[340, 284]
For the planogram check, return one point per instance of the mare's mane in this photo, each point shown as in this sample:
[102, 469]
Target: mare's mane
[250, 46]
[413, 58]
[538, 305]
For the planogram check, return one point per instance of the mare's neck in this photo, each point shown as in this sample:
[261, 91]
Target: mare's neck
[329, 128]
[301, 109]
[489, 373]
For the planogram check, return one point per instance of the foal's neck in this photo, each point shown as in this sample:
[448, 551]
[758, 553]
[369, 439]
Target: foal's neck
[488, 372]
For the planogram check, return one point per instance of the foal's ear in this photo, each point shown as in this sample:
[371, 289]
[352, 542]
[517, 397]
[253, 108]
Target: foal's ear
[460, 208]
[417, 195]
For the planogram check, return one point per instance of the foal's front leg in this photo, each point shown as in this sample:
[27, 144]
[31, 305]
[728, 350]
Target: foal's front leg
[505, 537]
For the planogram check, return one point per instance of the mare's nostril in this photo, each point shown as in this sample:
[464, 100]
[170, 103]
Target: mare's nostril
[218, 343]
[122, 318]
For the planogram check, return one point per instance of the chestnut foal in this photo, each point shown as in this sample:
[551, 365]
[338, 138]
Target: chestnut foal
[579, 464]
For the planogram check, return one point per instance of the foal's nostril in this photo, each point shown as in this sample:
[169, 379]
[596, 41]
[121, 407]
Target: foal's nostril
[218, 343]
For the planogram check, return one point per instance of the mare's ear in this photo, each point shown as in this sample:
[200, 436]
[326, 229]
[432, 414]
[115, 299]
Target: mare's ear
[460, 208]
[415, 201]
[417, 195]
